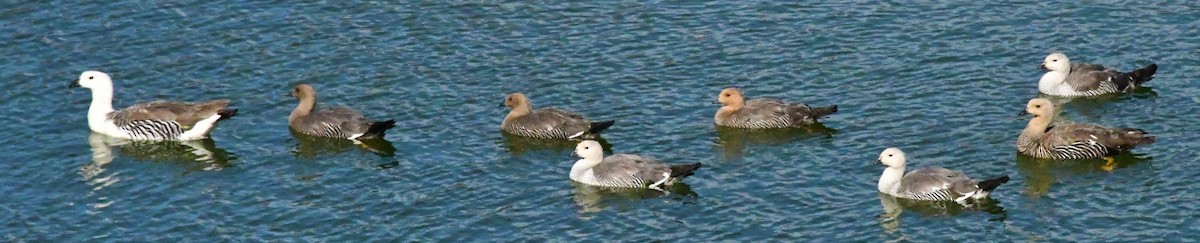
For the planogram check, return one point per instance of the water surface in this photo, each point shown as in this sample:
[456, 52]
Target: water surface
[942, 81]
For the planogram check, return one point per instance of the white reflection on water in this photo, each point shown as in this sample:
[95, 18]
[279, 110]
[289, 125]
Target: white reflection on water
[893, 207]
[594, 199]
[187, 153]
[194, 155]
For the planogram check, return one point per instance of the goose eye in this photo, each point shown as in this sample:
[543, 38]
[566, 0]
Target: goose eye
[727, 95]
[1055, 60]
[1037, 106]
[90, 77]
[889, 155]
[586, 148]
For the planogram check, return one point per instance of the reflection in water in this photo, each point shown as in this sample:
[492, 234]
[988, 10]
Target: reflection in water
[184, 152]
[312, 146]
[892, 207]
[1093, 105]
[593, 199]
[1041, 174]
[734, 140]
[518, 145]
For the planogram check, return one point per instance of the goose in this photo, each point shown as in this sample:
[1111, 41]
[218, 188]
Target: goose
[737, 112]
[156, 120]
[1084, 79]
[932, 183]
[1073, 140]
[624, 170]
[550, 123]
[332, 122]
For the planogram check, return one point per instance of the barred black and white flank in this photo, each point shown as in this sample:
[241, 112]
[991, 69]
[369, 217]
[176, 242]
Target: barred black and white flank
[624, 170]
[1083, 79]
[736, 111]
[930, 184]
[332, 122]
[1073, 141]
[158, 120]
[549, 123]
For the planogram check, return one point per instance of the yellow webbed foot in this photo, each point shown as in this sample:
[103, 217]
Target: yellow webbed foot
[1109, 164]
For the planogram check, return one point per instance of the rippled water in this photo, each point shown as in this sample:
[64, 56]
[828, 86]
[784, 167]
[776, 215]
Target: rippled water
[942, 81]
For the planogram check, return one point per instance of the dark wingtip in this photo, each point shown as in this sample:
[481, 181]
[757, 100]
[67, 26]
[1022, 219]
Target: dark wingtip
[989, 185]
[597, 127]
[378, 129]
[1148, 140]
[684, 170]
[1145, 74]
[824, 111]
[226, 113]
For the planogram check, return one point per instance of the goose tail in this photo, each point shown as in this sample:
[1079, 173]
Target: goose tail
[377, 129]
[685, 170]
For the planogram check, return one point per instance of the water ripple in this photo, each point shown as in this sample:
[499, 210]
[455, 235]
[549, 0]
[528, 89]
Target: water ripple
[944, 81]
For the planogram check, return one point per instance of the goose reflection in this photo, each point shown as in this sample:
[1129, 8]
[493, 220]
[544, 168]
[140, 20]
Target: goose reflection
[893, 207]
[1041, 174]
[187, 153]
[518, 145]
[593, 199]
[1093, 106]
[734, 140]
[312, 146]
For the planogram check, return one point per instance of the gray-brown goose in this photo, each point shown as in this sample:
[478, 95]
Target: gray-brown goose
[931, 183]
[736, 111]
[624, 170]
[157, 120]
[551, 123]
[1084, 79]
[332, 122]
[1073, 140]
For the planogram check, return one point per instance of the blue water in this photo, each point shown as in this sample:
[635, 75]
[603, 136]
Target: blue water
[943, 81]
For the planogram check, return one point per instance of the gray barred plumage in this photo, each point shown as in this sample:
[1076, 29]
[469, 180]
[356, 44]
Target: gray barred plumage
[330, 131]
[764, 113]
[937, 195]
[152, 129]
[1080, 150]
[624, 170]
[332, 122]
[630, 181]
[1083, 79]
[930, 184]
[1105, 87]
[165, 120]
[1073, 141]
[547, 123]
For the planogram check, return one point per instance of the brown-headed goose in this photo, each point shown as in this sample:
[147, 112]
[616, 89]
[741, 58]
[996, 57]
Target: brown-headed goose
[550, 122]
[332, 122]
[738, 112]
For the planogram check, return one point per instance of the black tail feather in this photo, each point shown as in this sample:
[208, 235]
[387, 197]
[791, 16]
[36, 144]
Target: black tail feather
[1147, 140]
[1138, 136]
[685, 170]
[597, 127]
[1143, 75]
[824, 111]
[226, 113]
[377, 129]
[989, 185]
